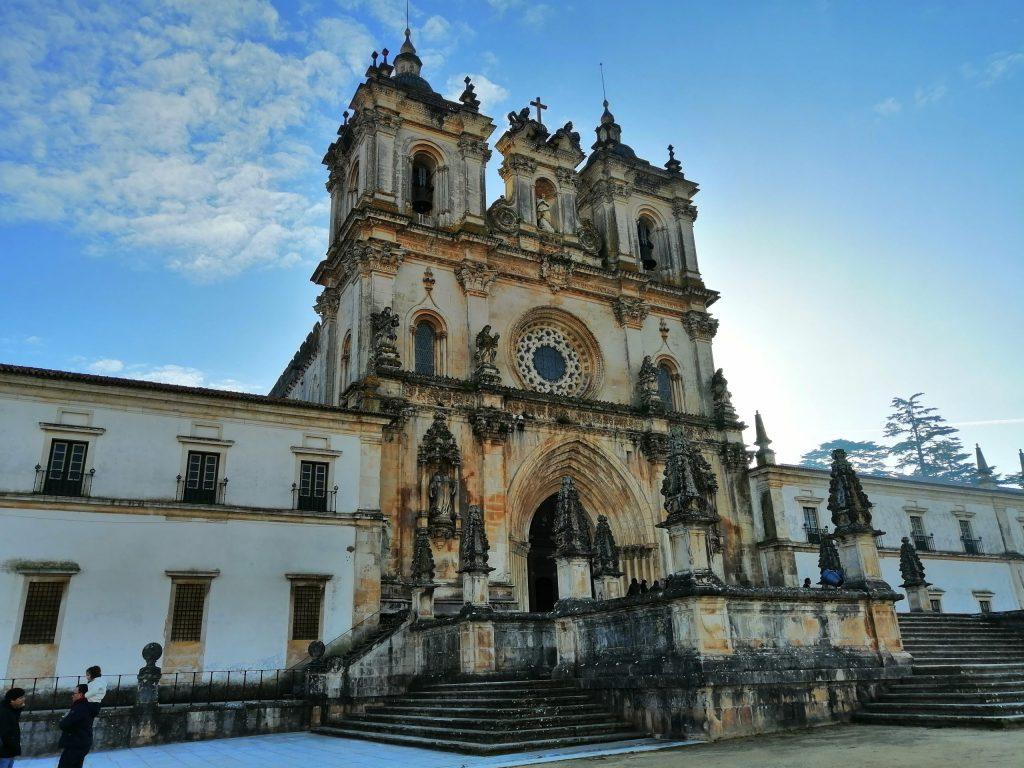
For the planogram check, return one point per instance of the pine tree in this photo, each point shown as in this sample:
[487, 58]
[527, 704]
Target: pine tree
[928, 447]
[865, 456]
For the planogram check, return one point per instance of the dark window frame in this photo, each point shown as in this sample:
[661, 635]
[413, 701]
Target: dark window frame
[307, 610]
[425, 361]
[40, 615]
[202, 474]
[65, 467]
[187, 618]
[313, 485]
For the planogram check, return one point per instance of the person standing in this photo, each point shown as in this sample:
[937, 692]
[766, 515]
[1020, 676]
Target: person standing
[10, 726]
[76, 739]
[97, 685]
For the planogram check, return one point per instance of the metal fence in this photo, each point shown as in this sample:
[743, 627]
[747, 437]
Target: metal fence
[181, 688]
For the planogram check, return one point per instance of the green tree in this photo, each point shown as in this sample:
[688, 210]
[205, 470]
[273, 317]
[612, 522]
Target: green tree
[865, 456]
[927, 446]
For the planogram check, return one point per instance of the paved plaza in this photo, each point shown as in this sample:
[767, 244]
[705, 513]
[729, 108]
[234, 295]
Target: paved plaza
[861, 746]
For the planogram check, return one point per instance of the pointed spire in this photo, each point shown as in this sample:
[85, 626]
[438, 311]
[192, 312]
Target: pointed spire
[407, 63]
[1020, 455]
[985, 473]
[765, 455]
[849, 505]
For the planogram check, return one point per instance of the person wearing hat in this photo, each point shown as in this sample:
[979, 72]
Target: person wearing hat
[10, 726]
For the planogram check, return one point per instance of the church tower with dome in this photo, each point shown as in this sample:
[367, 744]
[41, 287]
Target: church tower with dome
[561, 331]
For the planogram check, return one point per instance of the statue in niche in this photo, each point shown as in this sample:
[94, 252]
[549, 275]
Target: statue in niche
[722, 398]
[484, 354]
[441, 493]
[544, 223]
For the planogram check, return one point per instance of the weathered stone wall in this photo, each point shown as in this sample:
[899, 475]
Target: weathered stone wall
[715, 666]
[121, 727]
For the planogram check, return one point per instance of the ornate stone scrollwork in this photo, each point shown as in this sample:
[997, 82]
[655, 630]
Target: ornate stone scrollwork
[503, 216]
[654, 445]
[588, 236]
[556, 271]
[552, 351]
[690, 484]
[734, 456]
[572, 526]
[684, 208]
[475, 277]
[647, 394]
[630, 311]
[484, 354]
[378, 257]
[383, 345]
[327, 303]
[439, 460]
[492, 424]
[700, 325]
[849, 505]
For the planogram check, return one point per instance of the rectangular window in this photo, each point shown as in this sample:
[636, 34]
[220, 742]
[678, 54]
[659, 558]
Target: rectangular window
[971, 545]
[42, 612]
[811, 525]
[313, 486]
[936, 604]
[307, 603]
[201, 478]
[187, 614]
[985, 605]
[922, 541]
[65, 468]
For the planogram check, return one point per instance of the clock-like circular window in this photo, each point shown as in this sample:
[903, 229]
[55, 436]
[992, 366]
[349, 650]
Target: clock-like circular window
[554, 352]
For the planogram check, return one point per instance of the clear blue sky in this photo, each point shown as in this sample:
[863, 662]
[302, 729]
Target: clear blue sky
[861, 166]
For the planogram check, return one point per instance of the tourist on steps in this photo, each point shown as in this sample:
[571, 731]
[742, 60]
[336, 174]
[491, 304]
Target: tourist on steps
[10, 727]
[634, 588]
[76, 739]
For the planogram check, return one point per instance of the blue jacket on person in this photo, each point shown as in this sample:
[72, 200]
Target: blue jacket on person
[77, 726]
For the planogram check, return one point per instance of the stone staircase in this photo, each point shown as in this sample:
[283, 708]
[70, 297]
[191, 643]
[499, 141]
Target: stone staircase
[967, 672]
[487, 717]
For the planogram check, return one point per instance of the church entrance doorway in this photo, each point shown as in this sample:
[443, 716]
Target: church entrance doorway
[542, 574]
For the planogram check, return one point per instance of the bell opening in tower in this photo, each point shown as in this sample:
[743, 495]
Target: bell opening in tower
[422, 184]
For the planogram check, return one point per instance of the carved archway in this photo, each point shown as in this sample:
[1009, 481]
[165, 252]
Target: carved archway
[606, 488]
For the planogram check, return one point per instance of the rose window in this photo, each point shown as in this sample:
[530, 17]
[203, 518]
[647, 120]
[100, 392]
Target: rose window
[548, 361]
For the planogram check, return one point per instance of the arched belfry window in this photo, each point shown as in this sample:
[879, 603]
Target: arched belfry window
[645, 238]
[669, 389]
[422, 189]
[425, 348]
[352, 189]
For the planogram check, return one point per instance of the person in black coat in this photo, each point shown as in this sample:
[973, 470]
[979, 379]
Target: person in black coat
[10, 727]
[76, 739]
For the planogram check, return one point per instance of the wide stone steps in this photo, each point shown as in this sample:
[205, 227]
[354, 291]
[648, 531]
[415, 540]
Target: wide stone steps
[487, 717]
[967, 672]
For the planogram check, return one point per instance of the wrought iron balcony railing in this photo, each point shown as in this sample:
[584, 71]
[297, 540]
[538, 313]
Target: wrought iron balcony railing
[924, 542]
[814, 534]
[201, 493]
[69, 484]
[972, 546]
[307, 501]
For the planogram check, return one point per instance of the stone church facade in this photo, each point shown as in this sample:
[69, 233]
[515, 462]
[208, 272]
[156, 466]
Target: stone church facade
[505, 414]
[563, 330]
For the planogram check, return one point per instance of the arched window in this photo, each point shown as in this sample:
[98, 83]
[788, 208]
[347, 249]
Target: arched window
[547, 205]
[645, 237]
[422, 190]
[346, 355]
[665, 386]
[425, 349]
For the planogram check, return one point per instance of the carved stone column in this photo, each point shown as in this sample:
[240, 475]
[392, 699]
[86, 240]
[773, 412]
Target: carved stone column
[854, 535]
[701, 328]
[573, 547]
[689, 490]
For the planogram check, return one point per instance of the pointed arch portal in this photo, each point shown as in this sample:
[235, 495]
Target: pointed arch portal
[606, 487]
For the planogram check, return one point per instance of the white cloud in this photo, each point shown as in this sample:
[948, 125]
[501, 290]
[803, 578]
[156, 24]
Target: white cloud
[436, 29]
[925, 96]
[532, 14]
[886, 107]
[536, 15]
[106, 366]
[490, 93]
[33, 339]
[1002, 65]
[187, 376]
[171, 130]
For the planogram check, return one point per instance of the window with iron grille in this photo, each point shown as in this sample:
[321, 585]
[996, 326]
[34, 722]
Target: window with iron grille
[665, 386]
[65, 468]
[425, 342]
[985, 606]
[307, 600]
[936, 604]
[812, 525]
[187, 615]
[917, 525]
[42, 610]
[201, 478]
[313, 486]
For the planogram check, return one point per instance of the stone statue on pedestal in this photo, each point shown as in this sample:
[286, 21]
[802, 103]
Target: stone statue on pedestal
[849, 505]
[647, 386]
[484, 355]
[544, 223]
[383, 344]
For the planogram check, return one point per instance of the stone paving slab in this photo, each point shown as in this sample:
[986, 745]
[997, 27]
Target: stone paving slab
[307, 750]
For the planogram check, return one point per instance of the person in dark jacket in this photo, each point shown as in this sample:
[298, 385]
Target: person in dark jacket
[10, 727]
[76, 739]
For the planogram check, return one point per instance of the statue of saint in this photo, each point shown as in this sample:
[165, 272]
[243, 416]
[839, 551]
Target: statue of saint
[544, 216]
[441, 493]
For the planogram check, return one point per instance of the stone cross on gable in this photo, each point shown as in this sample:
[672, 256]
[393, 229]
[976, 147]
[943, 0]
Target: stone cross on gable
[539, 107]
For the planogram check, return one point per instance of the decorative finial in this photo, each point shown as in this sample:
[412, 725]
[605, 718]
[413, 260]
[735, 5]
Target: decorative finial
[604, 92]
[985, 472]
[374, 56]
[673, 165]
[344, 116]
[385, 53]
[765, 455]
[468, 96]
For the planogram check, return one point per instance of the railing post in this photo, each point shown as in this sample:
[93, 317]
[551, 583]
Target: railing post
[179, 489]
[40, 479]
[149, 677]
